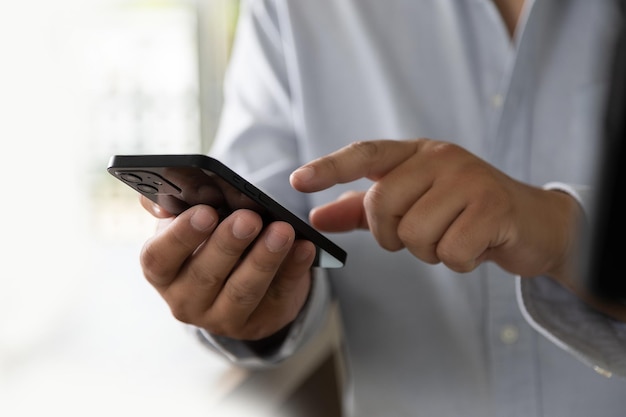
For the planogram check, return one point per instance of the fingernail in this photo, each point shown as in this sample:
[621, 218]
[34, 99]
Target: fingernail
[202, 220]
[304, 174]
[242, 229]
[276, 241]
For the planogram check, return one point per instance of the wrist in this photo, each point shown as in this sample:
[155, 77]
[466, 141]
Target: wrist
[570, 229]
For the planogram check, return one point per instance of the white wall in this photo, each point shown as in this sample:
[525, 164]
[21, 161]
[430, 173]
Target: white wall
[81, 333]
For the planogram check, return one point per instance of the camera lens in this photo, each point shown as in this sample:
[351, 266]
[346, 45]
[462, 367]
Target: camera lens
[132, 178]
[149, 189]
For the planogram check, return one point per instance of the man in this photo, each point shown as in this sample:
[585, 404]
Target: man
[437, 320]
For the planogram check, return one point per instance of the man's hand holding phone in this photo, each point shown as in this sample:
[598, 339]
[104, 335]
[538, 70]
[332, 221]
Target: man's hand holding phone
[235, 277]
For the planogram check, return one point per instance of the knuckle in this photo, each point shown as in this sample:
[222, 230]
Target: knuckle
[427, 255]
[279, 292]
[265, 266]
[445, 253]
[430, 258]
[373, 202]
[331, 164]
[453, 257]
[227, 248]
[408, 233]
[183, 239]
[219, 328]
[411, 232]
[180, 311]
[374, 197]
[289, 293]
[365, 149]
[443, 149]
[390, 244]
[151, 264]
[204, 280]
[241, 293]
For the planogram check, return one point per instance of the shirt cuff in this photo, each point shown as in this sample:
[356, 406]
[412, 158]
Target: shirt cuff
[564, 319]
[301, 331]
[581, 193]
[595, 339]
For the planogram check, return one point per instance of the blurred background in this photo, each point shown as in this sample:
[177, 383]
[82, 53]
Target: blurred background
[81, 333]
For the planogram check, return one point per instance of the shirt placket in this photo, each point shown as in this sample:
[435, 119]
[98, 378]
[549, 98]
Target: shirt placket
[510, 340]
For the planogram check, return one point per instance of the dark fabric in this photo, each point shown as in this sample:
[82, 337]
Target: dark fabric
[606, 264]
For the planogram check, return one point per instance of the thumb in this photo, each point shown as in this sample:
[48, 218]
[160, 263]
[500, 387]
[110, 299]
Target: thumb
[342, 215]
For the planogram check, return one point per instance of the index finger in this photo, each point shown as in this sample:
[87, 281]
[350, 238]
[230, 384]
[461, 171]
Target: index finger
[366, 159]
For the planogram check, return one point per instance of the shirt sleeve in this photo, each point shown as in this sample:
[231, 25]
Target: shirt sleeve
[257, 135]
[592, 337]
[302, 330]
[257, 138]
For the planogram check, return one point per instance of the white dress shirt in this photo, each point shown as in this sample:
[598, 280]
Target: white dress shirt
[308, 77]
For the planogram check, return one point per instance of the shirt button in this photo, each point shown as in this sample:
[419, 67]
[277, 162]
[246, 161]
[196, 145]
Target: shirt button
[509, 334]
[497, 100]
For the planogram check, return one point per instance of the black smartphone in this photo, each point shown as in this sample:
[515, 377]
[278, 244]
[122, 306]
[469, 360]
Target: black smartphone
[177, 182]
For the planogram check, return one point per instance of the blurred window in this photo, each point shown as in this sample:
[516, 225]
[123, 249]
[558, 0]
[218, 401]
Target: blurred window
[154, 74]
